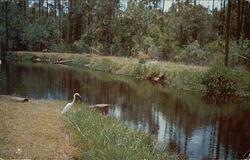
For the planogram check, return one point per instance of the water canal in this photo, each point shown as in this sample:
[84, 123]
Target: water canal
[181, 121]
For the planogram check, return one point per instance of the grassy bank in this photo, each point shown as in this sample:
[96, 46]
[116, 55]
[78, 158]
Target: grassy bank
[101, 137]
[35, 130]
[175, 75]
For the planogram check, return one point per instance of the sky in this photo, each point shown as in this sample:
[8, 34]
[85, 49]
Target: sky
[167, 4]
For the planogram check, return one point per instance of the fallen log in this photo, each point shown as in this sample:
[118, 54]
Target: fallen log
[95, 50]
[14, 98]
[156, 78]
[100, 105]
[37, 60]
[63, 61]
[243, 57]
[103, 108]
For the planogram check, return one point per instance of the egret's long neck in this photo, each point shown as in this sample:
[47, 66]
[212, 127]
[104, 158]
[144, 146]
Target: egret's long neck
[74, 99]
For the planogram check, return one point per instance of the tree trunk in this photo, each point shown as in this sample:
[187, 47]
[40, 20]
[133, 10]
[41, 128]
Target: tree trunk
[238, 20]
[179, 5]
[242, 15]
[5, 30]
[181, 35]
[163, 5]
[246, 20]
[47, 12]
[181, 26]
[227, 32]
[39, 8]
[55, 4]
[89, 8]
[60, 18]
[70, 24]
[224, 16]
[24, 7]
[42, 7]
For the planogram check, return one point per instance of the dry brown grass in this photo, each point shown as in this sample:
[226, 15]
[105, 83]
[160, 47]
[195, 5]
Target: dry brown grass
[124, 60]
[34, 130]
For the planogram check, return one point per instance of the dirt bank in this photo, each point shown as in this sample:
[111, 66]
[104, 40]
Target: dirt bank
[34, 130]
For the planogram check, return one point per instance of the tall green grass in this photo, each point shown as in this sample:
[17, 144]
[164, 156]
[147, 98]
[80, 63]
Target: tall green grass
[100, 137]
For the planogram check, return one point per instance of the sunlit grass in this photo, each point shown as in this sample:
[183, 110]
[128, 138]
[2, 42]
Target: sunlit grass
[101, 137]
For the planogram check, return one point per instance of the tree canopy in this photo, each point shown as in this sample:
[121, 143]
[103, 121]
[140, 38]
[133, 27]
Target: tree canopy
[187, 31]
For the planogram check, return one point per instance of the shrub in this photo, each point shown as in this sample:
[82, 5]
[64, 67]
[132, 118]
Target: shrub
[193, 54]
[214, 52]
[220, 80]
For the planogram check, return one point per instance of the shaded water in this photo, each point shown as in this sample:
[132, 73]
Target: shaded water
[181, 121]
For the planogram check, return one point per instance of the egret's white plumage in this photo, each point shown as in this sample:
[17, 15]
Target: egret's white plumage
[69, 105]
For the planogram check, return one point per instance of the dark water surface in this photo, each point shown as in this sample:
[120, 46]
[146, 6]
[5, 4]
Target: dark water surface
[181, 121]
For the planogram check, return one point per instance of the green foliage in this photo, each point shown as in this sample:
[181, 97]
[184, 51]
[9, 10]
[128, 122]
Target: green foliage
[193, 54]
[210, 54]
[241, 48]
[41, 34]
[79, 47]
[185, 33]
[195, 21]
[196, 24]
[16, 25]
[214, 52]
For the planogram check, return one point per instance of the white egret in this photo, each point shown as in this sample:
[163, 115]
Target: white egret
[69, 105]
